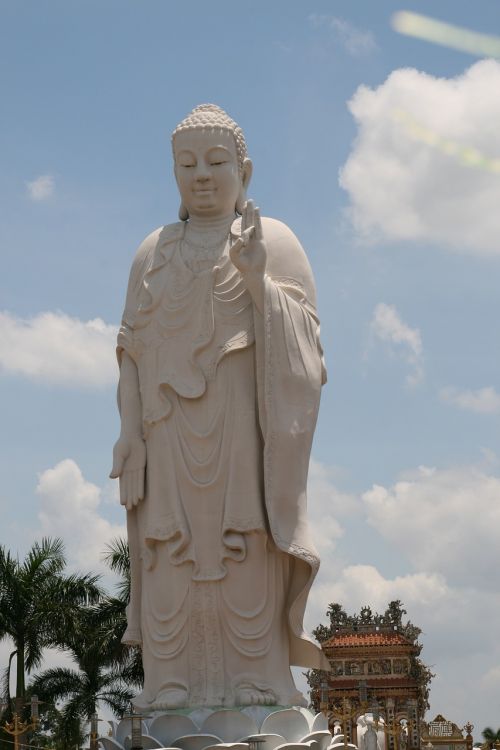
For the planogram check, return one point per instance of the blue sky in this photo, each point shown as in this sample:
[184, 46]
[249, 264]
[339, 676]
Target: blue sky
[402, 235]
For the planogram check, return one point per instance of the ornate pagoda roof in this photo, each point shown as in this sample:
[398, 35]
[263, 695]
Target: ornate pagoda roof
[390, 681]
[362, 638]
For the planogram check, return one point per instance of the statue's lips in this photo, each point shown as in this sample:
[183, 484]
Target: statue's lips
[204, 191]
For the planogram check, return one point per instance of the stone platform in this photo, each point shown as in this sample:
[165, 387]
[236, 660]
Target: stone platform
[252, 727]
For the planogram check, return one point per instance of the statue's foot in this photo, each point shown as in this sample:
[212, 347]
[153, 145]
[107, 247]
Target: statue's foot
[249, 695]
[170, 698]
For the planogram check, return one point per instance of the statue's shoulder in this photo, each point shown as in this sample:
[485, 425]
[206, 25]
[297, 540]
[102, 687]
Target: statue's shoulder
[280, 240]
[277, 231]
[162, 235]
[153, 243]
[286, 256]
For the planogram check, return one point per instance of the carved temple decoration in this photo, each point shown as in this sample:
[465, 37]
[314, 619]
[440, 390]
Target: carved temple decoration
[371, 669]
[444, 735]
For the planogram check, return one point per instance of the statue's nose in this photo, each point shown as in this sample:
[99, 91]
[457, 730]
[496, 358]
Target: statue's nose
[202, 172]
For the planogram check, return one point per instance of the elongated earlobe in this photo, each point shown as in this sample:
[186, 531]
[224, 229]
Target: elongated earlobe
[183, 212]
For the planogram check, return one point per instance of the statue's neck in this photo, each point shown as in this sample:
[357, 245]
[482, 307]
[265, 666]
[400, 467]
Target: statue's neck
[210, 224]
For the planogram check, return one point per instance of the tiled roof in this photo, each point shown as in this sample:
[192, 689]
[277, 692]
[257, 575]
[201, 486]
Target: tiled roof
[367, 639]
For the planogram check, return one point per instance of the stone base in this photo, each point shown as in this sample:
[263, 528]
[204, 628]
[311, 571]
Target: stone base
[255, 727]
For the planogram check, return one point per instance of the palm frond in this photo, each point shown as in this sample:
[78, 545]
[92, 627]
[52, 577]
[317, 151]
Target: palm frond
[117, 558]
[56, 683]
[5, 680]
[44, 559]
[118, 699]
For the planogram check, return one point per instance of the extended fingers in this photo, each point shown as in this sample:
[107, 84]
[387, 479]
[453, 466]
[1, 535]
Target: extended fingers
[244, 222]
[140, 484]
[123, 489]
[247, 235]
[251, 219]
[257, 224]
[118, 462]
[241, 243]
[250, 210]
[131, 488]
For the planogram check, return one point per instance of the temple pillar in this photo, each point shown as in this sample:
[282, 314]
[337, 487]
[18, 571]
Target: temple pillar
[354, 732]
[390, 740]
[414, 728]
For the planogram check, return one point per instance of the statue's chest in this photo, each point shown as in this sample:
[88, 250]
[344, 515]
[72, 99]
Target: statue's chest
[201, 316]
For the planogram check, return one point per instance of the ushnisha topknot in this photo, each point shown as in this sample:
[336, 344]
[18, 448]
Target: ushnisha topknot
[212, 117]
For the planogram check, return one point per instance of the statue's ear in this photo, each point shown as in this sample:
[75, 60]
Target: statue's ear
[246, 176]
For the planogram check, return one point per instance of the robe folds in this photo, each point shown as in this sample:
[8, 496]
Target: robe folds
[230, 398]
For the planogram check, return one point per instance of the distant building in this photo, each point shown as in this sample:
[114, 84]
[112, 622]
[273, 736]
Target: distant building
[443, 735]
[375, 669]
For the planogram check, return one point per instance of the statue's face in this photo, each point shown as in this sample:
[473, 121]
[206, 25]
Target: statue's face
[206, 170]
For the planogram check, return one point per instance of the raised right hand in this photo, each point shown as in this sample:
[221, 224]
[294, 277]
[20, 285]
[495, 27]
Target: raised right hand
[249, 253]
[129, 462]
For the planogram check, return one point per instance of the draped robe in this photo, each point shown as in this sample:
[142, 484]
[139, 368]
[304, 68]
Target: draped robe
[229, 404]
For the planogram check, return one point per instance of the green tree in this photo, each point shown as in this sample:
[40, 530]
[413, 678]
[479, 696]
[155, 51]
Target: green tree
[490, 736]
[77, 691]
[38, 604]
[54, 733]
[112, 617]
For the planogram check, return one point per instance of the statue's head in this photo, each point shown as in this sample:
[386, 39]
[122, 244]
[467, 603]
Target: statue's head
[212, 168]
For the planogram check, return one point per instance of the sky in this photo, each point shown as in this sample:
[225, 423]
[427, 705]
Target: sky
[381, 151]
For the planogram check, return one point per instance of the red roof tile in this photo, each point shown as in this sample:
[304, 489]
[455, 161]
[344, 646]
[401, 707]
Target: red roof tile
[367, 639]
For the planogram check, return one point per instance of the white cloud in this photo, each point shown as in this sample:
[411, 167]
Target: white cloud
[56, 348]
[357, 42]
[41, 188]
[425, 164]
[324, 494]
[445, 521]
[325, 503]
[482, 401]
[69, 508]
[358, 585]
[491, 679]
[387, 325]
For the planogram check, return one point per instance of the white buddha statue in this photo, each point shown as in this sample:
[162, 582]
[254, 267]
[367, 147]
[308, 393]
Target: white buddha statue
[370, 738]
[220, 377]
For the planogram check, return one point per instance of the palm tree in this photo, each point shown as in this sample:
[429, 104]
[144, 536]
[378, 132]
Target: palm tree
[112, 616]
[93, 680]
[490, 736]
[117, 558]
[38, 604]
